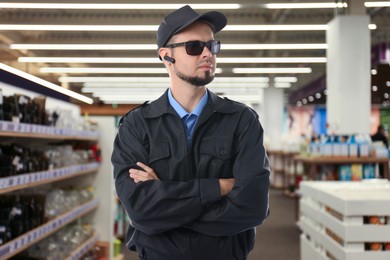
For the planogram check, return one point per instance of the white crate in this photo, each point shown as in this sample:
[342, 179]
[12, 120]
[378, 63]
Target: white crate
[332, 217]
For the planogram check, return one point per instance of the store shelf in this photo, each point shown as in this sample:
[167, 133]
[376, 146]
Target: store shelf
[29, 180]
[21, 130]
[83, 248]
[340, 160]
[24, 241]
[332, 219]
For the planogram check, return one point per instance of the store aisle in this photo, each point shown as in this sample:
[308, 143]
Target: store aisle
[277, 238]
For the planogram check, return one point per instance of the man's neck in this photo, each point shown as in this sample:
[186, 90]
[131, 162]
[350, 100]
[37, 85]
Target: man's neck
[187, 96]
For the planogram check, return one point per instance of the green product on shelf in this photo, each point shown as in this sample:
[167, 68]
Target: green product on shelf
[345, 173]
[368, 171]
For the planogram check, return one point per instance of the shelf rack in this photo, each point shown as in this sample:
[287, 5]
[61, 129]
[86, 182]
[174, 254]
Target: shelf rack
[35, 235]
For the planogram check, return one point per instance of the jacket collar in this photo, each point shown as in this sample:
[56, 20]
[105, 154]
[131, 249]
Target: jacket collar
[215, 103]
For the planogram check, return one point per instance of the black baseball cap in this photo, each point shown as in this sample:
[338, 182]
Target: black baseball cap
[180, 19]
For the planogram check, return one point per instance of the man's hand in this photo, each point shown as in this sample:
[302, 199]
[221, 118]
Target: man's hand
[143, 175]
[226, 185]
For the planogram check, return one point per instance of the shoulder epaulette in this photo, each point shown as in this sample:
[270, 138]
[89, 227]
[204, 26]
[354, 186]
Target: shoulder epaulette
[135, 108]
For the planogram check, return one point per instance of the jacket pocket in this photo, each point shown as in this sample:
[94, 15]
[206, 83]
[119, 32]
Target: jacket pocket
[159, 155]
[217, 156]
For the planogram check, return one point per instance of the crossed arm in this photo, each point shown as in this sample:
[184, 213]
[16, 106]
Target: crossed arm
[226, 185]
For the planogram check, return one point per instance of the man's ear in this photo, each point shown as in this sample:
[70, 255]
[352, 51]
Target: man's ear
[162, 52]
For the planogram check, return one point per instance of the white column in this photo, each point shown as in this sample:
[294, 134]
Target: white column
[272, 111]
[348, 74]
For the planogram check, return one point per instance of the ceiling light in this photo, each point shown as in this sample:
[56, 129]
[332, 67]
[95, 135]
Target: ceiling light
[280, 46]
[286, 79]
[374, 72]
[282, 85]
[372, 26]
[114, 6]
[89, 60]
[318, 95]
[156, 60]
[304, 5]
[377, 4]
[59, 27]
[276, 46]
[77, 70]
[271, 70]
[143, 28]
[276, 27]
[46, 84]
[131, 85]
[110, 47]
[71, 70]
[273, 60]
[156, 79]
[374, 88]
[160, 90]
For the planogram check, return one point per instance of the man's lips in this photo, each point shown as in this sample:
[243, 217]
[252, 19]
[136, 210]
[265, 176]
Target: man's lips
[206, 66]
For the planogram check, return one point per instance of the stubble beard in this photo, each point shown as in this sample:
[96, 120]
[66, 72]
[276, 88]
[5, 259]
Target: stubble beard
[195, 81]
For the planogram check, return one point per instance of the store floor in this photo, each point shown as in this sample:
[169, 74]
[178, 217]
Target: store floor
[277, 238]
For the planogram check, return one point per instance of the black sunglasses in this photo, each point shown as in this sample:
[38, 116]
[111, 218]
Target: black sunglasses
[195, 48]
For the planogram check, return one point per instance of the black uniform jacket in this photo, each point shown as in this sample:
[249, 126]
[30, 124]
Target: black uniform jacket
[182, 215]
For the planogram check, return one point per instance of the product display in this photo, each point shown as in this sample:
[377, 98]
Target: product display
[61, 244]
[19, 214]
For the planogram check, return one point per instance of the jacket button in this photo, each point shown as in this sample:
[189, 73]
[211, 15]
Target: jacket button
[223, 151]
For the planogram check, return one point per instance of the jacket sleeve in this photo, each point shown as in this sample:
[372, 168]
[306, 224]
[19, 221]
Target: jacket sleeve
[155, 206]
[247, 205]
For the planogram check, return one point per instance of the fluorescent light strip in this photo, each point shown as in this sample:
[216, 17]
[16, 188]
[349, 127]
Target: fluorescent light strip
[286, 79]
[143, 60]
[276, 46]
[132, 98]
[271, 70]
[277, 27]
[83, 46]
[273, 60]
[304, 5]
[155, 79]
[63, 27]
[133, 85]
[377, 4]
[157, 61]
[280, 46]
[282, 85]
[114, 6]
[102, 70]
[153, 28]
[46, 83]
[72, 70]
[160, 91]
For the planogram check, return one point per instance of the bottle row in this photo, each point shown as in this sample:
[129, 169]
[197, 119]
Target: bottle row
[23, 109]
[346, 146]
[26, 240]
[61, 244]
[17, 159]
[347, 172]
[20, 213]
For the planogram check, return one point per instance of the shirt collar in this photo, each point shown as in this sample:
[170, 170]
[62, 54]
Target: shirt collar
[181, 111]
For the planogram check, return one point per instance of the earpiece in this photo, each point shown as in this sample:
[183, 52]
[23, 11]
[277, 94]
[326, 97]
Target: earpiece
[171, 60]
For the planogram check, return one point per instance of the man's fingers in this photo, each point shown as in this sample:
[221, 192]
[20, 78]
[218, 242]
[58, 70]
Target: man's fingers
[145, 167]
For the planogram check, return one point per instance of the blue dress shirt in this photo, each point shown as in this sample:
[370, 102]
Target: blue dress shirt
[189, 119]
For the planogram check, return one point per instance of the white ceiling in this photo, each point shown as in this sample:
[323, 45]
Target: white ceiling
[251, 13]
